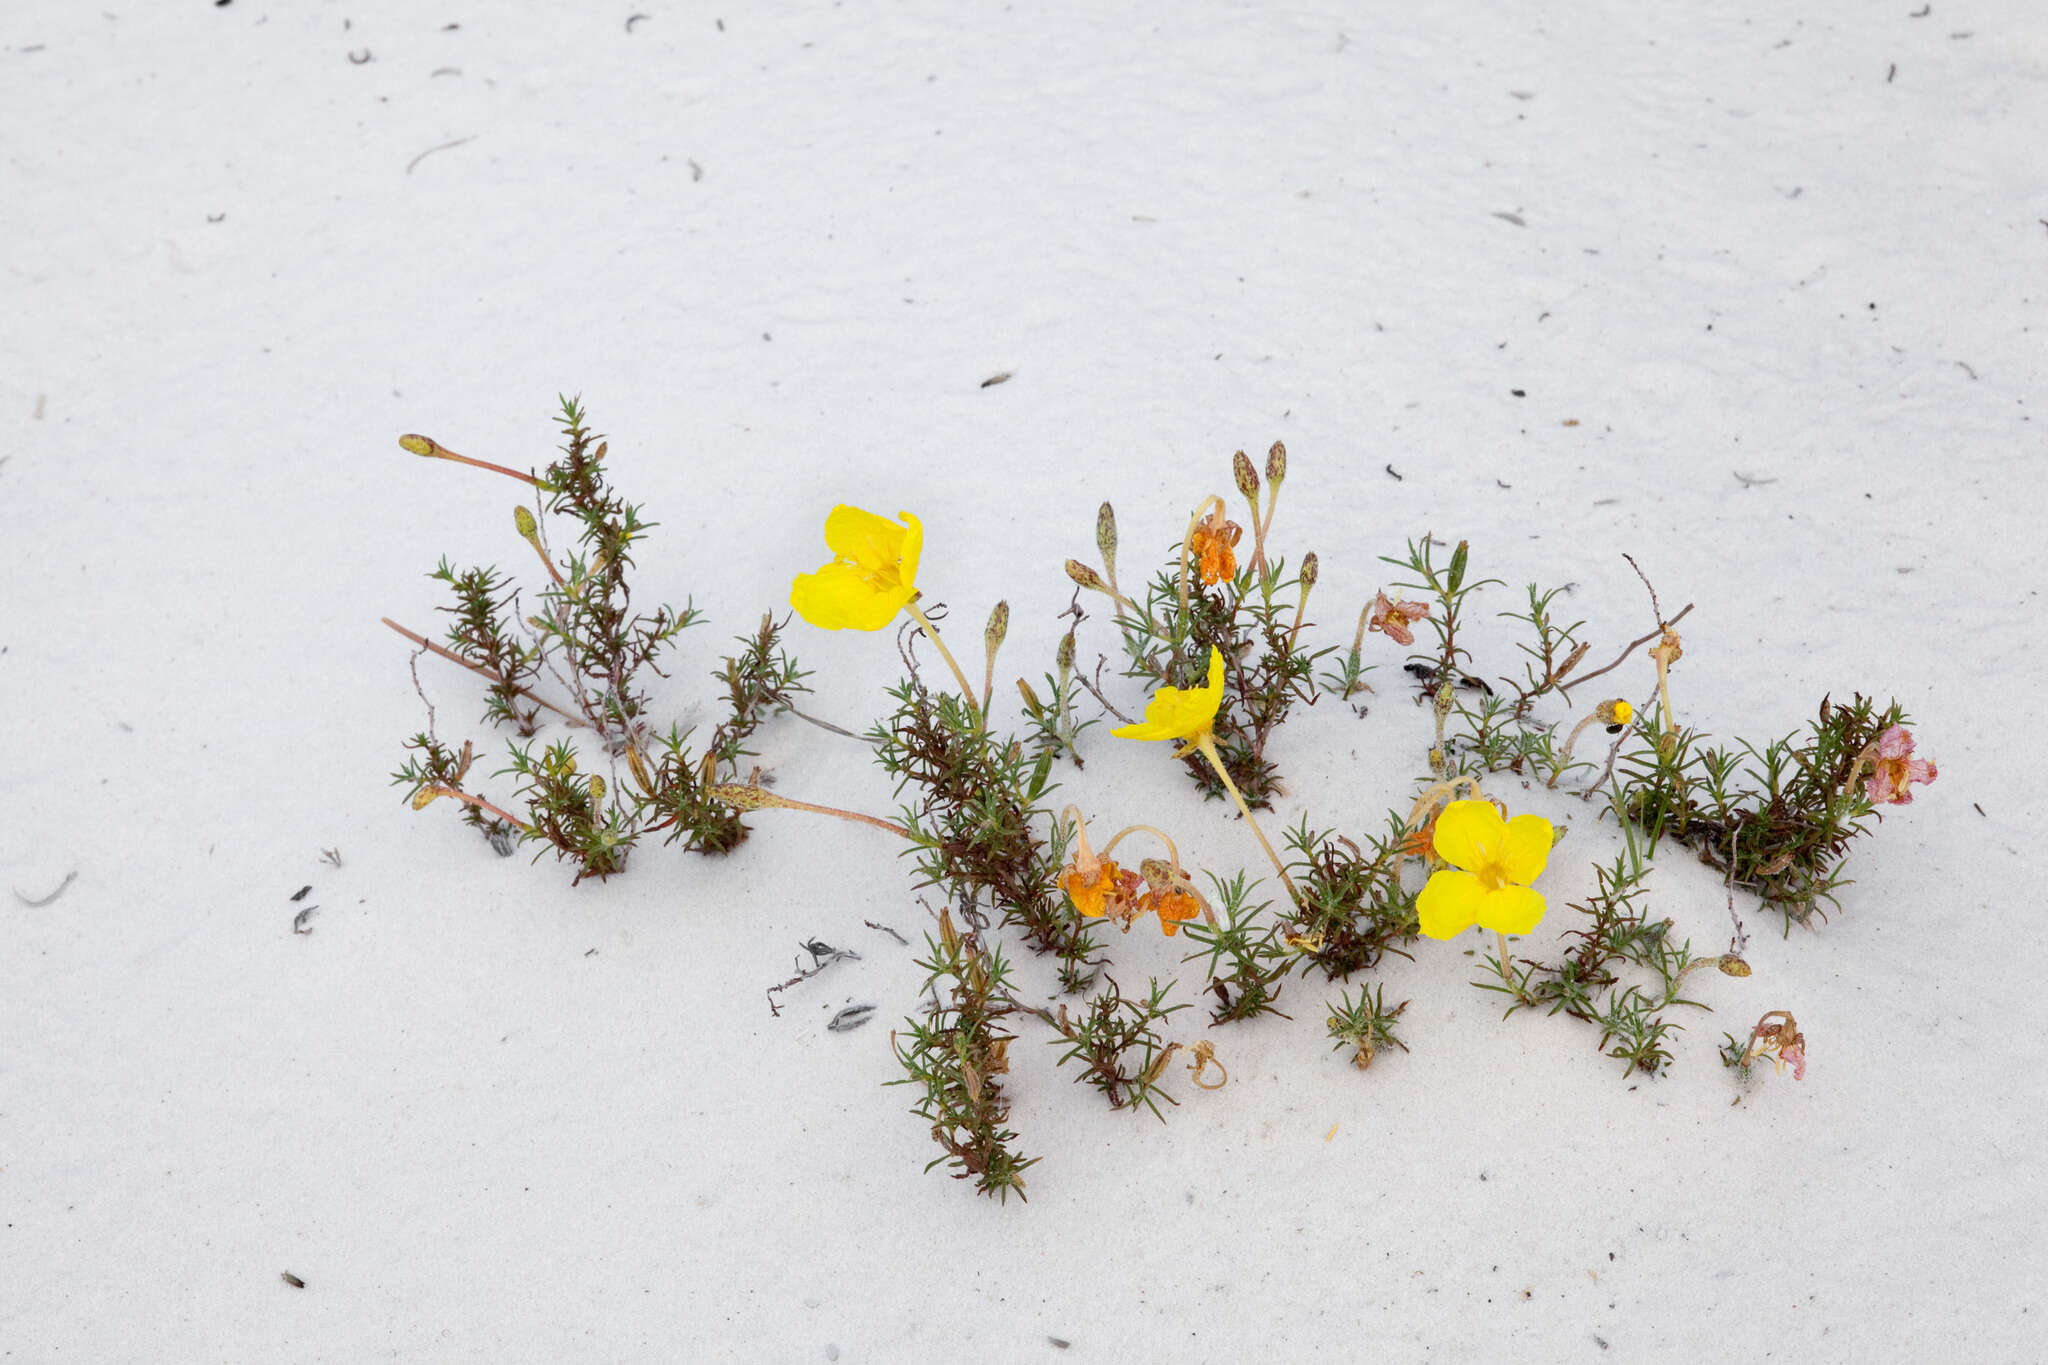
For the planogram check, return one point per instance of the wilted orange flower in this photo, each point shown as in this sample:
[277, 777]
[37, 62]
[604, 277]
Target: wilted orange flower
[1212, 542]
[1420, 843]
[1110, 891]
[1395, 617]
[1172, 906]
[1172, 896]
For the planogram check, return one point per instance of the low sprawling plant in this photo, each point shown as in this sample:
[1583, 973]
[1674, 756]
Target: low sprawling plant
[1217, 637]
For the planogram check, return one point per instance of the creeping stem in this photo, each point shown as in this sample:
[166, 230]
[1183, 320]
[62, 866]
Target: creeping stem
[443, 789]
[568, 717]
[432, 449]
[749, 796]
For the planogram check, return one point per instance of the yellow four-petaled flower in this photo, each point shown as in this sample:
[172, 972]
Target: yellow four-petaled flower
[1492, 863]
[1187, 714]
[873, 578]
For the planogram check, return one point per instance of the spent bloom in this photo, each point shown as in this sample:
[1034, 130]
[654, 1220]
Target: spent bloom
[1172, 896]
[1420, 841]
[1492, 863]
[1893, 768]
[1395, 617]
[873, 576]
[1106, 890]
[1213, 542]
[1777, 1037]
[1187, 714]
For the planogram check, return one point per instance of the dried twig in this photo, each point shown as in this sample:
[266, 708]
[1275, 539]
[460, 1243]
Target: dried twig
[1095, 691]
[431, 150]
[69, 877]
[823, 955]
[1633, 647]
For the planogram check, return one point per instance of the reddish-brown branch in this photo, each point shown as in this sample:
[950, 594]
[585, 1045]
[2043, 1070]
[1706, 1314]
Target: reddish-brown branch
[424, 643]
[466, 799]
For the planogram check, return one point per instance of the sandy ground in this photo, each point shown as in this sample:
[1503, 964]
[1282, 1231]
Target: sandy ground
[1755, 298]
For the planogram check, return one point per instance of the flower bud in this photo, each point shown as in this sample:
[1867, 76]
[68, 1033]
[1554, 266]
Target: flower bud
[745, 796]
[1031, 701]
[1310, 568]
[998, 627]
[640, 773]
[1105, 533]
[426, 796]
[1085, 576]
[1276, 465]
[596, 789]
[1457, 573]
[1247, 477]
[423, 446]
[523, 522]
[1733, 965]
[1066, 653]
[1159, 1064]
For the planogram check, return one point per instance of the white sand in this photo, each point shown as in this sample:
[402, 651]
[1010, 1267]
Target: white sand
[1793, 305]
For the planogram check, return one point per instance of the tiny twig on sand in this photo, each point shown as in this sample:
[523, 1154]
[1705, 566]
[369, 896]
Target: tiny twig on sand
[1095, 691]
[431, 150]
[823, 955]
[69, 877]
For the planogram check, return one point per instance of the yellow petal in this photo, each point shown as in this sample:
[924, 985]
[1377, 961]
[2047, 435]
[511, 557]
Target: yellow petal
[1450, 903]
[1510, 910]
[911, 551]
[874, 543]
[1182, 713]
[1526, 849]
[841, 597]
[1469, 835]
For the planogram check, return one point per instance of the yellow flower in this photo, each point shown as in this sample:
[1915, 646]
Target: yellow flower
[1496, 860]
[1183, 713]
[873, 578]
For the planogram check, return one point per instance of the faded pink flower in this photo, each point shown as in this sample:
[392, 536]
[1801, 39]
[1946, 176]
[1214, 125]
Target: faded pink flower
[1395, 617]
[1777, 1037]
[1893, 768]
